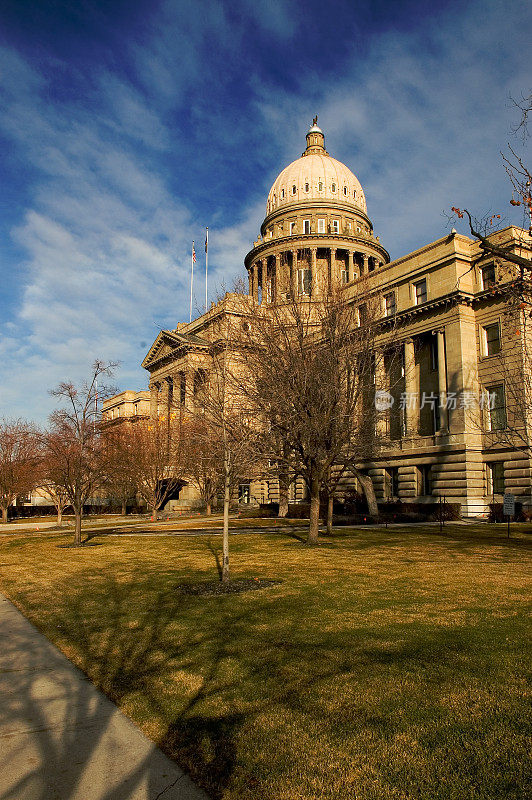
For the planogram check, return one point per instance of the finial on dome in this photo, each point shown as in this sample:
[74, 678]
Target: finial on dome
[315, 139]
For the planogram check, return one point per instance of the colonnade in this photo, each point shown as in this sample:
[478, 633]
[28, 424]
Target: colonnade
[276, 274]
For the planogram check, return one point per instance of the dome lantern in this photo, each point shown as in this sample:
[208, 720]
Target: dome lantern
[315, 139]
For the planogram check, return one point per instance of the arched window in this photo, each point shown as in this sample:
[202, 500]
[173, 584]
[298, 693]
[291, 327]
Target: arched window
[345, 190]
[294, 189]
[320, 186]
[333, 187]
[306, 187]
[282, 194]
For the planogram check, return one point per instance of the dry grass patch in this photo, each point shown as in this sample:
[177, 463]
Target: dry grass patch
[390, 664]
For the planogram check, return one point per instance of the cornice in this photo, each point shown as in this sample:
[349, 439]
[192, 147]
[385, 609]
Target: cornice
[315, 205]
[318, 239]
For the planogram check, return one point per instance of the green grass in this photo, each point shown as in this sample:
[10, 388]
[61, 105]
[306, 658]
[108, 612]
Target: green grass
[388, 664]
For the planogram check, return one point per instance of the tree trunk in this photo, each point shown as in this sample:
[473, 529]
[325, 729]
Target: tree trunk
[330, 504]
[154, 513]
[4, 515]
[225, 546]
[369, 492]
[59, 516]
[208, 510]
[314, 525]
[284, 484]
[124, 508]
[78, 511]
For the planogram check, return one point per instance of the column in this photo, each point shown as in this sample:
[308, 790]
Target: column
[294, 273]
[365, 263]
[154, 400]
[350, 265]
[250, 282]
[314, 272]
[275, 281]
[164, 408]
[412, 399]
[382, 426]
[264, 279]
[256, 282]
[189, 389]
[442, 382]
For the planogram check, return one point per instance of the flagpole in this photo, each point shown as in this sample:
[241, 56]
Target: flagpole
[191, 279]
[206, 263]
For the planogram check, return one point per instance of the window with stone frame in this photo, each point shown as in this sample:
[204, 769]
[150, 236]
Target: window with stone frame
[389, 304]
[420, 292]
[306, 226]
[424, 480]
[491, 339]
[335, 226]
[494, 478]
[495, 403]
[391, 482]
[488, 276]
[321, 225]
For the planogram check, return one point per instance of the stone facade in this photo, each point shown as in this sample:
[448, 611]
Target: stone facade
[444, 302]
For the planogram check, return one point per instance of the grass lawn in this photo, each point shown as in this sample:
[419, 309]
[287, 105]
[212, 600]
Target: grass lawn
[387, 664]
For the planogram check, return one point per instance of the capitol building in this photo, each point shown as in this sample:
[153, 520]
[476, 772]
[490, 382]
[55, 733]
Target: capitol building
[444, 304]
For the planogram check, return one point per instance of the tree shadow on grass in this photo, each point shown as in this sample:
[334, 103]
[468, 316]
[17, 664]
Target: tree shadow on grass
[170, 659]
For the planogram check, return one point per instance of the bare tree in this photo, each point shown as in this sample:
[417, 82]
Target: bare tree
[307, 371]
[156, 461]
[74, 443]
[20, 459]
[203, 458]
[121, 465]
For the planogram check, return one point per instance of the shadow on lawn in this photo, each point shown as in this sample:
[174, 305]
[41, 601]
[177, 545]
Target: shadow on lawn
[204, 668]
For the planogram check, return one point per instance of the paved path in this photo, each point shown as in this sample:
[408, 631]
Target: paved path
[62, 739]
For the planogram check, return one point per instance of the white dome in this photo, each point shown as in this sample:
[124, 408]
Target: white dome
[316, 176]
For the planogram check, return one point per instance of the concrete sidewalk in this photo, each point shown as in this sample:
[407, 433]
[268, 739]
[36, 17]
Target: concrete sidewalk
[62, 739]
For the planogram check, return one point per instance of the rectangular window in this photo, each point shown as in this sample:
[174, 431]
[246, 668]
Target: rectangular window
[304, 281]
[492, 339]
[494, 478]
[321, 226]
[420, 292]
[496, 404]
[424, 480]
[292, 228]
[389, 304]
[244, 495]
[362, 314]
[488, 276]
[335, 226]
[345, 276]
[306, 226]
[391, 482]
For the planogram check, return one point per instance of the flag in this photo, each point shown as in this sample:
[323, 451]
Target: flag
[193, 253]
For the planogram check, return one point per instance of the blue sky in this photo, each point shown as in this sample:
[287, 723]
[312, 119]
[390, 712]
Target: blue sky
[126, 127]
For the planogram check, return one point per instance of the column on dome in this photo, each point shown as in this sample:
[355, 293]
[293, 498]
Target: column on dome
[315, 291]
[294, 273]
[350, 267]
[250, 282]
[365, 267]
[263, 279]
[255, 282]
[411, 394]
[442, 382]
[275, 278]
